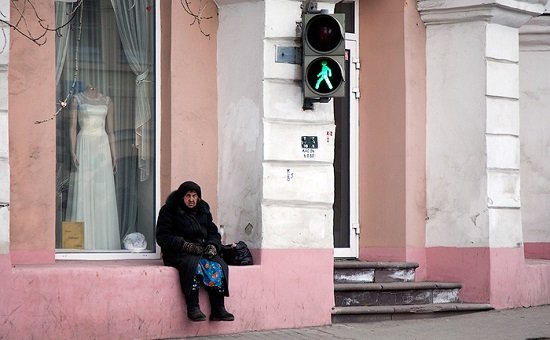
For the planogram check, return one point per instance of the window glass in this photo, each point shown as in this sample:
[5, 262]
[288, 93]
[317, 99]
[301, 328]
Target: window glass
[347, 8]
[105, 77]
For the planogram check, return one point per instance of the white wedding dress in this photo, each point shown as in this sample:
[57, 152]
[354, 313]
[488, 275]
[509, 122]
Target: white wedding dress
[92, 196]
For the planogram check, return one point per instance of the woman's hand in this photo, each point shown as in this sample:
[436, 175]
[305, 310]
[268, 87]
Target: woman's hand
[192, 248]
[210, 251]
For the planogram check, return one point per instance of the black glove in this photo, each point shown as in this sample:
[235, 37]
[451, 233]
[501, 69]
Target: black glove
[210, 251]
[192, 248]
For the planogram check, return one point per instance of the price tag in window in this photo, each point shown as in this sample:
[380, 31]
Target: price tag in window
[72, 235]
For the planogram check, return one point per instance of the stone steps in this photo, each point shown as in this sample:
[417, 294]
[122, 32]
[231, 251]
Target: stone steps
[371, 291]
[395, 293]
[363, 272]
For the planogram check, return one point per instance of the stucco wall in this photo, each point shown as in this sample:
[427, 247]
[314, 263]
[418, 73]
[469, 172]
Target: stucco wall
[474, 232]
[192, 113]
[392, 130]
[270, 194]
[142, 299]
[382, 125]
[456, 173]
[415, 126]
[240, 102]
[473, 126]
[534, 123]
[106, 299]
[32, 146]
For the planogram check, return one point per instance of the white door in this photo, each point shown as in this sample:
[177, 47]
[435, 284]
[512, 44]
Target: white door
[346, 198]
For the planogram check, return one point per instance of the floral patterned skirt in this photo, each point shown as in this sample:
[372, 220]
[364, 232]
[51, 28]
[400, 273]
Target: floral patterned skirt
[210, 273]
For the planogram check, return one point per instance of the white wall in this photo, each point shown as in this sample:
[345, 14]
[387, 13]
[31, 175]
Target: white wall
[473, 176]
[240, 111]
[535, 124]
[456, 172]
[4, 146]
[266, 181]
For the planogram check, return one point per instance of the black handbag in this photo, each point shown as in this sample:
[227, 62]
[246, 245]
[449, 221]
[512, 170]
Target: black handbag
[237, 254]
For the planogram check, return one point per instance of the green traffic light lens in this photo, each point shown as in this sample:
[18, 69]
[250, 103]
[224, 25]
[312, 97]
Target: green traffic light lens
[323, 33]
[324, 76]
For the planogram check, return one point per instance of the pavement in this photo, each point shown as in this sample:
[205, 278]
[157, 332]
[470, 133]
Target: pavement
[520, 323]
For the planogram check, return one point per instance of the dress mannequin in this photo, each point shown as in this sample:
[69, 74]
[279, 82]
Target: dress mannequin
[92, 195]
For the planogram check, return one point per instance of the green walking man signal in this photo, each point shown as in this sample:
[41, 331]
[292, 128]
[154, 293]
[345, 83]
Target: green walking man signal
[325, 74]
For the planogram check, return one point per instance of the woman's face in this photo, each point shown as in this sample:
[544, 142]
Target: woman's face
[191, 199]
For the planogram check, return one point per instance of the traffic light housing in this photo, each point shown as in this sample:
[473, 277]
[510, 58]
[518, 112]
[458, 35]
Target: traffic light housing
[323, 46]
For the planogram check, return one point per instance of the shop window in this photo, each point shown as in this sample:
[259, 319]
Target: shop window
[105, 164]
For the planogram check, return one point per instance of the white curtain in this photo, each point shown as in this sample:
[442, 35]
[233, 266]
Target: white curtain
[133, 27]
[62, 38]
[62, 10]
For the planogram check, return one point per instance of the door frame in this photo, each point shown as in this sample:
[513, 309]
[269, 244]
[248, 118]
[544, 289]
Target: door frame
[354, 94]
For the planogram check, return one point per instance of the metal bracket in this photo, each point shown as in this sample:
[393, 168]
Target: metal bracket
[356, 91]
[289, 55]
[357, 63]
[308, 102]
[309, 6]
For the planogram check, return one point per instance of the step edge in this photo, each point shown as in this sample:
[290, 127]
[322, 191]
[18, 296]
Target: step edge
[413, 309]
[372, 286]
[374, 265]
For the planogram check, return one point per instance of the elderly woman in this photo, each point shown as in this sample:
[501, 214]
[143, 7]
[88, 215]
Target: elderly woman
[190, 242]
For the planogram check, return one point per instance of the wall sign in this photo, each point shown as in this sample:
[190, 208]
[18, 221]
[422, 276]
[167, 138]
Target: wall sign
[309, 146]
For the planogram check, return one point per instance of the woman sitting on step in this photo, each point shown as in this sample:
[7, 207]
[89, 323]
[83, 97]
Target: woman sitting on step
[190, 242]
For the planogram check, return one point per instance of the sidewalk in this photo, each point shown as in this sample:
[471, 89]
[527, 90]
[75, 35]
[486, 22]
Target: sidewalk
[521, 323]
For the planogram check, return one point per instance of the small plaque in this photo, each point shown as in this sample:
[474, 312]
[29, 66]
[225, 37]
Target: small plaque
[72, 235]
[309, 142]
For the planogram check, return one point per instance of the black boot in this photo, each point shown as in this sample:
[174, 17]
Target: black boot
[193, 309]
[219, 313]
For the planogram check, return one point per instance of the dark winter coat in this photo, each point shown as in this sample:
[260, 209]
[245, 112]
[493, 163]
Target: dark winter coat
[176, 225]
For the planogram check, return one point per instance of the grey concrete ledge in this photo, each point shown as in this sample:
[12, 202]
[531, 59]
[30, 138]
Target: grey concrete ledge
[343, 264]
[431, 308]
[340, 287]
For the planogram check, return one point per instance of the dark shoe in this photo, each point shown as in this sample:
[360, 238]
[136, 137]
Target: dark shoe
[195, 314]
[220, 314]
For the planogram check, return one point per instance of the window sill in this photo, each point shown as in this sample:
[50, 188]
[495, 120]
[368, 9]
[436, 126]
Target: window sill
[106, 256]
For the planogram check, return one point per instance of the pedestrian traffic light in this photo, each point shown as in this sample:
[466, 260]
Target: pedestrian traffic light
[323, 45]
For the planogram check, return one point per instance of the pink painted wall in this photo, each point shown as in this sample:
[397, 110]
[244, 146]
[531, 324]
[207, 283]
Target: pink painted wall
[499, 276]
[142, 299]
[392, 132]
[32, 146]
[166, 99]
[415, 103]
[193, 115]
[537, 250]
[382, 128]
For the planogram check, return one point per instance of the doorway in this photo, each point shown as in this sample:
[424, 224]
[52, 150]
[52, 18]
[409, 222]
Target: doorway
[346, 115]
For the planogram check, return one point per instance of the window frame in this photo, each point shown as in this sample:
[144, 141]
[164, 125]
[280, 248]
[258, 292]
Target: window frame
[61, 254]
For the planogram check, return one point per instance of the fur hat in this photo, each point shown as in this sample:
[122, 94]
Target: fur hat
[185, 187]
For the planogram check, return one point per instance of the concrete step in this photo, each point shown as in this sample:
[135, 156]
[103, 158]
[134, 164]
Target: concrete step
[381, 313]
[395, 293]
[353, 271]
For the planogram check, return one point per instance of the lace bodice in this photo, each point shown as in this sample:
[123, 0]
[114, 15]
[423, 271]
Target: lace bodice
[92, 113]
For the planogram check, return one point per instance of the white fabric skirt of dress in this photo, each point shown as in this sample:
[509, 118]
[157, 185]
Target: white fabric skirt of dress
[92, 195]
